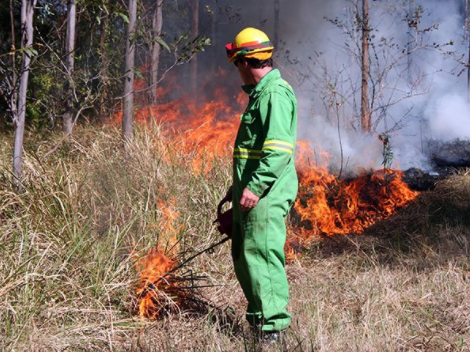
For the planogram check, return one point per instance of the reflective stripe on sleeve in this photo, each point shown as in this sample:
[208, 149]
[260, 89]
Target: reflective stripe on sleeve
[279, 145]
[243, 153]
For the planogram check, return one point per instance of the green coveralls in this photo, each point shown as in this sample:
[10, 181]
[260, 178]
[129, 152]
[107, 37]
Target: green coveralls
[263, 162]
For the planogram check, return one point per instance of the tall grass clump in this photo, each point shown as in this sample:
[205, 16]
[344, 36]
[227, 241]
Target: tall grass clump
[89, 210]
[70, 240]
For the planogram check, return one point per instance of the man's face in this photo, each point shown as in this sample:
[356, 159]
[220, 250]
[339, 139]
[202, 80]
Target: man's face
[244, 71]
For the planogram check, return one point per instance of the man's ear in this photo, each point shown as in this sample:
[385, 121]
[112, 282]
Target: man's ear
[245, 63]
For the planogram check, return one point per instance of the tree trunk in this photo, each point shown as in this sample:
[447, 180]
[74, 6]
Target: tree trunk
[467, 27]
[213, 35]
[276, 24]
[104, 61]
[67, 122]
[14, 94]
[128, 108]
[27, 12]
[157, 23]
[410, 42]
[366, 122]
[194, 33]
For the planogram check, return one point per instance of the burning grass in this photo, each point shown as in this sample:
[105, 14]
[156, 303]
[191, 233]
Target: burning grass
[71, 246]
[155, 286]
[70, 242]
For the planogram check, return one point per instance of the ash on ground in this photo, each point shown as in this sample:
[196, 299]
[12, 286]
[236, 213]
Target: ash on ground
[446, 157]
[455, 153]
[419, 180]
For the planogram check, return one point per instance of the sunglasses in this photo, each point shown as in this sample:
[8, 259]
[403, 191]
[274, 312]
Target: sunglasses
[237, 62]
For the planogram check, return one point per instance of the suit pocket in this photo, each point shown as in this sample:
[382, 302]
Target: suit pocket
[249, 128]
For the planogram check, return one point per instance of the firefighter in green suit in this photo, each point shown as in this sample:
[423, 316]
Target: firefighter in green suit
[264, 181]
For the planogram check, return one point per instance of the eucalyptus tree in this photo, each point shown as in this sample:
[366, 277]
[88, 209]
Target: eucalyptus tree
[467, 29]
[366, 119]
[383, 46]
[27, 13]
[67, 124]
[155, 48]
[194, 34]
[128, 105]
[276, 23]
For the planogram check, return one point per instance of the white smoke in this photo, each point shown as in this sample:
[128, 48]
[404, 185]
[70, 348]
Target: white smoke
[450, 118]
[351, 151]
[312, 54]
[437, 108]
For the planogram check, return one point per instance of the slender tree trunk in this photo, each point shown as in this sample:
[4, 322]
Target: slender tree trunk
[410, 41]
[194, 33]
[67, 122]
[104, 61]
[213, 35]
[276, 23]
[14, 94]
[366, 122]
[467, 27]
[468, 72]
[128, 108]
[27, 12]
[157, 23]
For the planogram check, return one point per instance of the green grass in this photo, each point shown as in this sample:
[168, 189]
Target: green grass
[69, 245]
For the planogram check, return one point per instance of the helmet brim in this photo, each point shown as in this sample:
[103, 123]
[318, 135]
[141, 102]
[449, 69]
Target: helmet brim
[248, 49]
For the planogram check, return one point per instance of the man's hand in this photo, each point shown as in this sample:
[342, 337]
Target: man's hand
[248, 200]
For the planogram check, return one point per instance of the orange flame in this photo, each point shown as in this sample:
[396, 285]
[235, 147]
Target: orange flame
[152, 285]
[202, 131]
[327, 205]
[169, 230]
[156, 289]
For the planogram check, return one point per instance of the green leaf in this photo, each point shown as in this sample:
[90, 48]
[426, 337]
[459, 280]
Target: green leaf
[138, 74]
[124, 17]
[104, 8]
[160, 41]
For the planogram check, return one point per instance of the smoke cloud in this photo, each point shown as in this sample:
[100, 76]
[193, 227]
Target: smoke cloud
[423, 96]
[450, 118]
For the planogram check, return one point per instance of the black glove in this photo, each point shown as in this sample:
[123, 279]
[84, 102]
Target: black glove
[225, 219]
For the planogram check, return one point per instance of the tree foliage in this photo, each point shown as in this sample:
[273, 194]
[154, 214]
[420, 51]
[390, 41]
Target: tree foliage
[97, 78]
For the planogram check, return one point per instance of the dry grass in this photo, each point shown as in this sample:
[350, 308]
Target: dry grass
[68, 247]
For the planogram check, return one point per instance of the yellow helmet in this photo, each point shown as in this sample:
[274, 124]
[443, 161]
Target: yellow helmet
[252, 43]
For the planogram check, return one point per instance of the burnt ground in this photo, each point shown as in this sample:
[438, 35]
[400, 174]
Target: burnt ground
[449, 154]
[420, 180]
[447, 159]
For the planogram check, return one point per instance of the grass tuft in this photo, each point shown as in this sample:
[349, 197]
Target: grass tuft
[71, 241]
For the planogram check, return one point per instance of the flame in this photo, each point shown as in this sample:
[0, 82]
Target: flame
[153, 285]
[327, 205]
[167, 223]
[200, 131]
[156, 289]
[203, 133]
